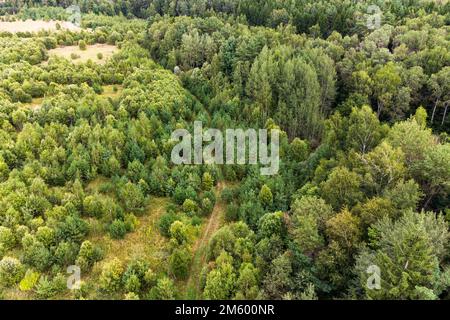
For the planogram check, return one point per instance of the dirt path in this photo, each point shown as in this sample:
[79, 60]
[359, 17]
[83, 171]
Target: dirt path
[199, 249]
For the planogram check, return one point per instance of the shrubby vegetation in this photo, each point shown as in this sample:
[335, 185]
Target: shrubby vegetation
[364, 173]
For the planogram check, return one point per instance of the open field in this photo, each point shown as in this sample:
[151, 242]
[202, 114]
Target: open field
[112, 91]
[91, 52]
[35, 26]
[144, 242]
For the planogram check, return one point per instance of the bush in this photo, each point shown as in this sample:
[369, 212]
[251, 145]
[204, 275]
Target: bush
[66, 253]
[207, 206]
[182, 193]
[232, 212]
[111, 276]
[73, 229]
[99, 56]
[164, 290]
[29, 281]
[88, 255]
[179, 232]
[45, 235]
[82, 45]
[165, 221]
[74, 56]
[11, 271]
[46, 288]
[189, 207]
[36, 254]
[7, 239]
[131, 296]
[228, 195]
[117, 229]
[93, 206]
[132, 283]
[131, 222]
[180, 261]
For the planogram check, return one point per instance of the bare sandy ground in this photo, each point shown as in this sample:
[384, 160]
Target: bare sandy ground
[90, 52]
[35, 26]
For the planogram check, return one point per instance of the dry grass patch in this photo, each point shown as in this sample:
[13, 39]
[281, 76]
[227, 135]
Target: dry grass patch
[145, 242]
[91, 53]
[112, 91]
[35, 26]
[35, 104]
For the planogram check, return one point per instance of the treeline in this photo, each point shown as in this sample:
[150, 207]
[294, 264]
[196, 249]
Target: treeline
[307, 16]
[263, 73]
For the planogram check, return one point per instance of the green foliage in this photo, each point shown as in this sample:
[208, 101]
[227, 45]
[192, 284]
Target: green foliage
[180, 261]
[363, 120]
[117, 229]
[11, 271]
[163, 290]
[221, 281]
[111, 277]
[408, 252]
[29, 280]
[7, 239]
[342, 188]
[265, 196]
[88, 255]
[82, 45]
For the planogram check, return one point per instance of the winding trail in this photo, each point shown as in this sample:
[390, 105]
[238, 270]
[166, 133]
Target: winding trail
[199, 249]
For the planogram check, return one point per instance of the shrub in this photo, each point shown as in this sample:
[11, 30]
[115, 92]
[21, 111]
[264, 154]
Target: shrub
[88, 255]
[165, 221]
[164, 290]
[46, 288]
[66, 253]
[82, 45]
[134, 276]
[29, 281]
[93, 206]
[11, 271]
[99, 56]
[132, 283]
[189, 207]
[232, 212]
[207, 206]
[117, 229]
[131, 222]
[180, 261]
[45, 235]
[7, 238]
[74, 56]
[111, 276]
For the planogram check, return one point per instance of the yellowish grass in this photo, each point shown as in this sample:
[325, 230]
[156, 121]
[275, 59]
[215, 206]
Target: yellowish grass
[108, 91]
[35, 104]
[84, 55]
[35, 26]
[145, 242]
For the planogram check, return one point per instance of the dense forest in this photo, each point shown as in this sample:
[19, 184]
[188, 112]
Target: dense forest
[86, 177]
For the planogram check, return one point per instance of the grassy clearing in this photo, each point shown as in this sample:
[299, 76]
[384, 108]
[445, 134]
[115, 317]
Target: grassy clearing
[145, 242]
[35, 104]
[35, 26]
[90, 53]
[109, 92]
